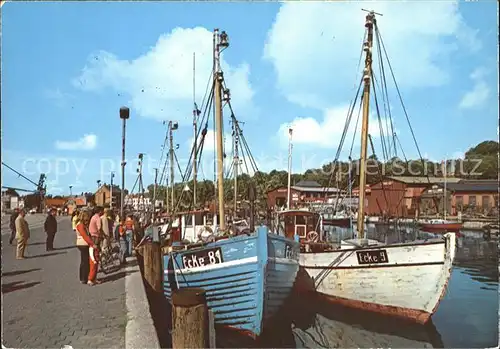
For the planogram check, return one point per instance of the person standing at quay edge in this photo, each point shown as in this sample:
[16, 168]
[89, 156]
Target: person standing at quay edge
[88, 269]
[12, 225]
[50, 227]
[22, 234]
[74, 219]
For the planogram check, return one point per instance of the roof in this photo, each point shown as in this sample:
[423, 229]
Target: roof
[297, 213]
[116, 188]
[308, 184]
[423, 179]
[55, 202]
[315, 189]
[471, 187]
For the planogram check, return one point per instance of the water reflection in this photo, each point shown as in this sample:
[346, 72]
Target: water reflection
[466, 318]
[333, 326]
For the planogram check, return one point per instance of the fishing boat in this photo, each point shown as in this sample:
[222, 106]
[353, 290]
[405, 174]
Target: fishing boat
[337, 220]
[440, 226]
[247, 275]
[405, 280]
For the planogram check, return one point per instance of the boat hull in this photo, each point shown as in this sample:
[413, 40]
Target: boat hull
[409, 283]
[251, 284]
[441, 227]
[337, 222]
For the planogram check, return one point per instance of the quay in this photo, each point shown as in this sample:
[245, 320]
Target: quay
[45, 305]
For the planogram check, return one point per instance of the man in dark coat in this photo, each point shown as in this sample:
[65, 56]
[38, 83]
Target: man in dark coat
[50, 227]
[12, 225]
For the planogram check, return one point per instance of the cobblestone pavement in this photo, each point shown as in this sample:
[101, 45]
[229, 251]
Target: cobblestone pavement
[46, 306]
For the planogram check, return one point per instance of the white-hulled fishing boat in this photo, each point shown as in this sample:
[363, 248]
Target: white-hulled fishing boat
[406, 280]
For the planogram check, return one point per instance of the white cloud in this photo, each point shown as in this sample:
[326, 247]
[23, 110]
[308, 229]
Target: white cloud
[480, 91]
[327, 132]
[61, 99]
[160, 82]
[87, 142]
[209, 143]
[315, 46]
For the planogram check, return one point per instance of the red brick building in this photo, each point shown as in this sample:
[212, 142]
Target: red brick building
[399, 196]
[467, 196]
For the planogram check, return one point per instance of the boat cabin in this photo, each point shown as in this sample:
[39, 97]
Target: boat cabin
[187, 225]
[298, 222]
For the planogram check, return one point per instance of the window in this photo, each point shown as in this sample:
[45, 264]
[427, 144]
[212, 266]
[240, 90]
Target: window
[300, 220]
[188, 220]
[459, 202]
[472, 200]
[198, 219]
[486, 202]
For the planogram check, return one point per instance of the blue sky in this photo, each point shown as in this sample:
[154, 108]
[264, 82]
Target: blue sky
[68, 67]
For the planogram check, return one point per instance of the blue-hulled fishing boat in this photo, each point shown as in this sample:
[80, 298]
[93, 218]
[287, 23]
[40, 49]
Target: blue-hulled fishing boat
[246, 278]
[246, 275]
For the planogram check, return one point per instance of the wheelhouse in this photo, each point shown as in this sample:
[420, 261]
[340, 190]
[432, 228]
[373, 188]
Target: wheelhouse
[297, 222]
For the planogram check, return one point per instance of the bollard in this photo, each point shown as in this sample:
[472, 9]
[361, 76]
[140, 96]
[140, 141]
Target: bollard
[153, 271]
[190, 327]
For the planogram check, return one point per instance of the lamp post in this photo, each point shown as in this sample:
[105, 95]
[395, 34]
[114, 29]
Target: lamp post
[111, 191]
[124, 115]
[70, 191]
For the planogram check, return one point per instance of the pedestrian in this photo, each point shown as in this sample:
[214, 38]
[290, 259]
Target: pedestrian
[107, 228]
[74, 219]
[95, 227]
[123, 241]
[12, 225]
[129, 234]
[22, 234]
[84, 242]
[50, 227]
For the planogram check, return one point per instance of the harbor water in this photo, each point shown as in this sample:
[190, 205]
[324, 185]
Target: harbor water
[466, 318]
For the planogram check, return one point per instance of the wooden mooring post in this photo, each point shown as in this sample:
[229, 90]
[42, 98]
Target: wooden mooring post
[153, 265]
[191, 320]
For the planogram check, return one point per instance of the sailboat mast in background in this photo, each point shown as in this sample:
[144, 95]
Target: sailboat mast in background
[195, 132]
[290, 132]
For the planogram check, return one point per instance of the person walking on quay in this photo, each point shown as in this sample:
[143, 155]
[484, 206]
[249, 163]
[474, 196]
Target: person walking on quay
[107, 228]
[84, 242]
[74, 219]
[12, 225]
[129, 234]
[50, 227]
[123, 241]
[95, 227]
[22, 234]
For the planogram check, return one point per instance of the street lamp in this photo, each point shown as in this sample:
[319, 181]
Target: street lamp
[111, 191]
[124, 115]
[70, 192]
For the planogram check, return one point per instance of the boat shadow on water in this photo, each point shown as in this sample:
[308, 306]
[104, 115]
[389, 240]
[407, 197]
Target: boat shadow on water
[309, 322]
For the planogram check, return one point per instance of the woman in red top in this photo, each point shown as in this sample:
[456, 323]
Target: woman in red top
[85, 242]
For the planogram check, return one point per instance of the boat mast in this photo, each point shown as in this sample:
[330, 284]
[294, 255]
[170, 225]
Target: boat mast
[290, 132]
[236, 165]
[367, 72]
[171, 137]
[445, 206]
[195, 130]
[220, 41]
